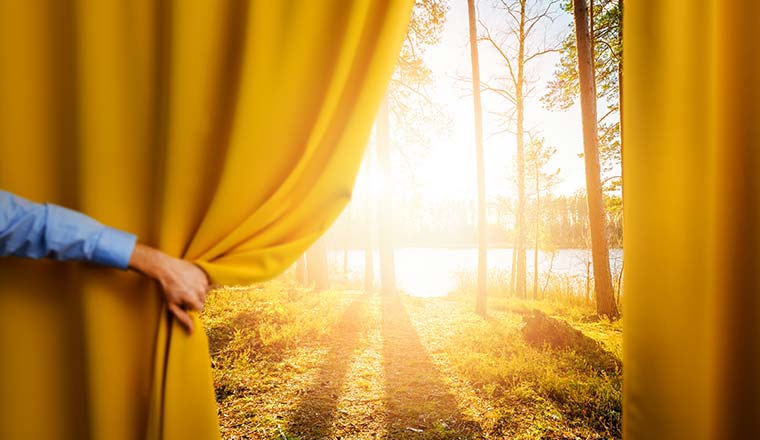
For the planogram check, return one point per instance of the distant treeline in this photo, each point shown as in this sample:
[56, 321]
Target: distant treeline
[562, 223]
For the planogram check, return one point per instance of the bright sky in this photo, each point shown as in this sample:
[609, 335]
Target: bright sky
[449, 169]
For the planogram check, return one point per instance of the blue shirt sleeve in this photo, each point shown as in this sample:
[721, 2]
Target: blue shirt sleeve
[36, 230]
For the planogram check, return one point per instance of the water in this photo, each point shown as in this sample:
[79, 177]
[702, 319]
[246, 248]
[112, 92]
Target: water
[427, 272]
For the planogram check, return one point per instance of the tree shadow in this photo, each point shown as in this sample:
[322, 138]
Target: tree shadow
[418, 404]
[315, 413]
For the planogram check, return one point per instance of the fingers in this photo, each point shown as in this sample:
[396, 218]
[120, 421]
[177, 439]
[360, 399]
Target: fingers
[182, 316]
[201, 285]
[185, 287]
[196, 304]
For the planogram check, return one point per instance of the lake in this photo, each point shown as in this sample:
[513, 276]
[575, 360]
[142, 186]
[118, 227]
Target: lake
[427, 272]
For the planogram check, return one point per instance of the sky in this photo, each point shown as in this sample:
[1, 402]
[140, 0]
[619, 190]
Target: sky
[449, 169]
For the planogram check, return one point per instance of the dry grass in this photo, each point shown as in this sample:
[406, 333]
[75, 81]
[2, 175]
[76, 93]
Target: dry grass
[290, 363]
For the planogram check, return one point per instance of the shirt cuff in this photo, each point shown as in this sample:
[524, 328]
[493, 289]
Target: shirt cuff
[114, 248]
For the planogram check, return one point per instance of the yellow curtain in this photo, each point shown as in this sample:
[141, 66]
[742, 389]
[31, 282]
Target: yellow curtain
[227, 132]
[691, 137]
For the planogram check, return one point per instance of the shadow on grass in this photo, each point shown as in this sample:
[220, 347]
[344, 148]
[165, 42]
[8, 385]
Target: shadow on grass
[542, 330]
[316, 411]
[594, 400]
[418, 404]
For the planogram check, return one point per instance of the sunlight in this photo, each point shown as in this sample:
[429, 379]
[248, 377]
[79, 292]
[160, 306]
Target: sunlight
[416, 358]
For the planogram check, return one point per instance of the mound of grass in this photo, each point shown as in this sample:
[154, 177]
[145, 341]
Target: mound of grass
[542, 330]
[549, 379]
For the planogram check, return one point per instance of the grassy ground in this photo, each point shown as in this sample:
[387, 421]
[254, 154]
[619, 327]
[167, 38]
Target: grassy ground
[294, 364]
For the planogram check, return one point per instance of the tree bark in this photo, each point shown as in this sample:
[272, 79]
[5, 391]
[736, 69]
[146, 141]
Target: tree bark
[538, 228]
[480, 306]
[345, 244]
[369, 266]
[521, 280]
[316, 264]
[301, 269]
[605, 300]
[513, 267]
[385, 217]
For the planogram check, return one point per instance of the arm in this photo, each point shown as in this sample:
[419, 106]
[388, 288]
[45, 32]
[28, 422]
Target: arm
[35, 230]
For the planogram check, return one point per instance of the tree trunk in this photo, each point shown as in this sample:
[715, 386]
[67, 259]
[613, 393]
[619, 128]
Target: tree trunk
[605, 300]
[513, 267]
[619, 283]
[520, 138]
[316, 264]
[369, 267]
[345, 262]
[480, 306]
[538, 227]
[345, 244]
[588, 280]
[385, 217]
[548, 273]
[301, 270]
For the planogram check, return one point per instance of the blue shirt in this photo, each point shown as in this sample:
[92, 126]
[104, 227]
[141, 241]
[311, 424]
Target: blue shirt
[36, 230]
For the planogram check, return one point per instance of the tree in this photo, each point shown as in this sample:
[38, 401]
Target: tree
[385, 217]
[301, 269]
[524, 20]
[478, 111]
[564, 90]
[537, 156]
[369, 267]
[605, 299]
[316, 264]
[407, 100]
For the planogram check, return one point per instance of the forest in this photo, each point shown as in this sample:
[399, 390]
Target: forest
[472, 286]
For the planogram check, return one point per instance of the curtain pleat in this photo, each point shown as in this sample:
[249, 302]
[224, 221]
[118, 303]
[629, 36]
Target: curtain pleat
[691, 188]
[226, 132]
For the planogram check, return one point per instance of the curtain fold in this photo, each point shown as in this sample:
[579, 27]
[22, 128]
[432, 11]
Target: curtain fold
[691, 190]
[226, 132]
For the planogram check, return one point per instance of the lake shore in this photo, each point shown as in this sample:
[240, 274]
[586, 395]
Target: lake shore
[436, 272]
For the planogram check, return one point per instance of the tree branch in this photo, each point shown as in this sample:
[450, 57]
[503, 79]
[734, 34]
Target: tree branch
[534, 20]
[508, 8]
[612, 110]
[485, 87]
[490, 39]
[538, 54]
[612, 51]
[421, 95]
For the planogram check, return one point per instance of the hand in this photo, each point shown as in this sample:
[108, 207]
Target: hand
[183, 284]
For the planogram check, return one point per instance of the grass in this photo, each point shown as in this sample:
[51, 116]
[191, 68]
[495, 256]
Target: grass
[290, 363]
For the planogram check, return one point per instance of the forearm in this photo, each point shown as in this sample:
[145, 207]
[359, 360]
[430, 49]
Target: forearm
[36, 230]
[148, 261]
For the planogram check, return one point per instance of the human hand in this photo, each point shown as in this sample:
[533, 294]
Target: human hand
[183, 284]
